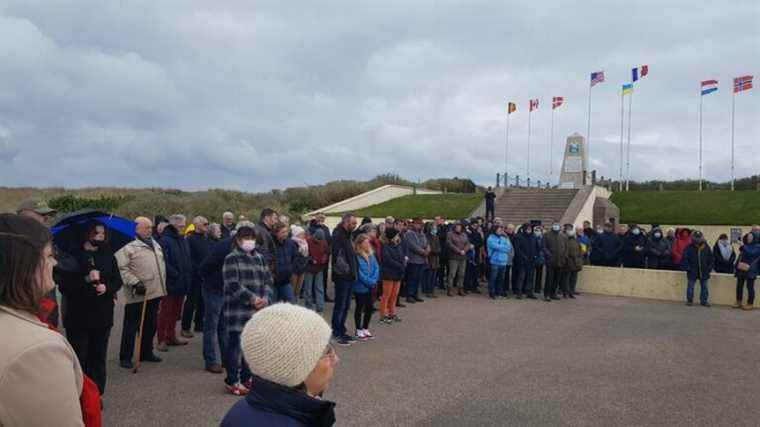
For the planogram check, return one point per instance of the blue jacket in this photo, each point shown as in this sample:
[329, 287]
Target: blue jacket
[369, 274]
[539, 245]
[287, 260]
[698, 263]
[211, 267]
[498, 250]
[274, 405]
[179, 268]
[751, 255]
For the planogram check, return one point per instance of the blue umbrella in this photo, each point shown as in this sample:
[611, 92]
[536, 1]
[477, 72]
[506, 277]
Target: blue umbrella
[69, 231]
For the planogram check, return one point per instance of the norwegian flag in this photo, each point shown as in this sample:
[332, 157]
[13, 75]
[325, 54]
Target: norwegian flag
[533, 104]
[597, 77]
[742, 83]
[557, 101]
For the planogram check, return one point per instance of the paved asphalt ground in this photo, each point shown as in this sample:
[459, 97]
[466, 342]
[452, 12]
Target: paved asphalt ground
[470, 361]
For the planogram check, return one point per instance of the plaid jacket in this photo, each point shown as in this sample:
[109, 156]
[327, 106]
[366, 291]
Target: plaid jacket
[245, 276]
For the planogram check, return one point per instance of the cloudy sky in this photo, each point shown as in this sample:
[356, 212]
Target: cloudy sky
[255, 95]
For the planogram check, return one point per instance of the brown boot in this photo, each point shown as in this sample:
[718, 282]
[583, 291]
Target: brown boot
[737, 305]
[449, 293]
[748, 307]
[460, 293]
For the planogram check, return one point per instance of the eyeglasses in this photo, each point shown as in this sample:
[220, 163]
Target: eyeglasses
[331, 355]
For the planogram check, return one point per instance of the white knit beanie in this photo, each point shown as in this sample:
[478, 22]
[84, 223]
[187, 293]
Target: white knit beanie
[295, 230]
[283, 343]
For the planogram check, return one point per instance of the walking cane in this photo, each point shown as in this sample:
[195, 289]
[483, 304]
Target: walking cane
[140, 334]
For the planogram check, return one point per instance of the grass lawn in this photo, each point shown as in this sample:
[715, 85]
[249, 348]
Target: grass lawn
[689, 207]
[451, 206]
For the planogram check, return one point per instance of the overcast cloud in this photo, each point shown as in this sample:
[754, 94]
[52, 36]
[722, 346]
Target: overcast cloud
[255, 95]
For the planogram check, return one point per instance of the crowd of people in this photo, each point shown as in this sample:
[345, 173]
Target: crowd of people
[214, 278]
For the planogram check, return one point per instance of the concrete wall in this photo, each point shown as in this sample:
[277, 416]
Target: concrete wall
[654, 284]
[711, 232]
[582, 207]
[370, 198]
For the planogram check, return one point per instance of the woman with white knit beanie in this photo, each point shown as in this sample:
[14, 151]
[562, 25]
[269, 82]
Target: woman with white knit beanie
[288, 350]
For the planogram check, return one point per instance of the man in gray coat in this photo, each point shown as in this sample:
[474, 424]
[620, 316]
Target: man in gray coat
[417, 249]
[555, 256]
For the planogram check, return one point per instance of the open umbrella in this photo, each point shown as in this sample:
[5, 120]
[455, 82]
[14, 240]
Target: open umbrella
[69, 230]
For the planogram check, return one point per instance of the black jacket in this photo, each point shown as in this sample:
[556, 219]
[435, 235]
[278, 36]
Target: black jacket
[721, 264]
[698, 262]
[179, 269]
[265, 243]
[526, 250]
[658, 253]
[344, 264]
[226, 232]
[631, 257]
[606, 248]
[393, 263]
[211, 267]
[199, 249]
[84, 307]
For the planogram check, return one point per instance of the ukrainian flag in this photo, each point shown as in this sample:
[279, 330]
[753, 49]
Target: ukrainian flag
[627, 88]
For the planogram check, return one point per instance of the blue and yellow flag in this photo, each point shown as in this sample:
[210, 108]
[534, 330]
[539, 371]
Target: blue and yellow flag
[627, 88]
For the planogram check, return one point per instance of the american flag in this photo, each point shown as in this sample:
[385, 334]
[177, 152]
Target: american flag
[597, 77]
[742, 83]
[533, 104]
[557, 101]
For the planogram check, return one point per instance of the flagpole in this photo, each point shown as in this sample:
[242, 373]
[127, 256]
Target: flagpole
[622, 123]
[628, 156]
[506, 153]
[530, 113]
[700, 139]
[733, 112]
[551, 142]
[588, 135]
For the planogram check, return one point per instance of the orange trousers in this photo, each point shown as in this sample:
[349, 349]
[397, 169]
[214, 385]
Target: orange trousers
[388, 300]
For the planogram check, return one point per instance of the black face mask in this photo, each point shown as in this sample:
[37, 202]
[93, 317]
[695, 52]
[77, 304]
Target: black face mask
[97, 243]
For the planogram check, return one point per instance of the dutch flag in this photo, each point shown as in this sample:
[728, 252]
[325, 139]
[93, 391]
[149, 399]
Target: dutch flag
[709, 86]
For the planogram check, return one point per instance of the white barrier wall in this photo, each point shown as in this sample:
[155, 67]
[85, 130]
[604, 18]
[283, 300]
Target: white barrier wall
[371, 198]
[654, 284]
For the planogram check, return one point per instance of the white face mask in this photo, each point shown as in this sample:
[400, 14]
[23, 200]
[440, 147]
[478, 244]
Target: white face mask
[537, 233]
[658, 235]
[248, 245]
[571, 232]
[555, 227]
[636, 231]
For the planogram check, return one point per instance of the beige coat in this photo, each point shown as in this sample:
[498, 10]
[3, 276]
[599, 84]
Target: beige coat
[40, 376]
[139, 263]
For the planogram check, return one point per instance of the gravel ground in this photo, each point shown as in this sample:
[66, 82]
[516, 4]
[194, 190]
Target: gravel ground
[472, 361]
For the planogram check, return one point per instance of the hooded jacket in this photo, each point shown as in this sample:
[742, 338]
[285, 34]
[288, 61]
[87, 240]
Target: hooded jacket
[633, 258]
[698, 261]
[658, 251]
[393, 262]
[179, 269]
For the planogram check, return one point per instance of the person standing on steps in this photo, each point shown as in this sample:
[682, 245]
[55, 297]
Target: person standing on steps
[490, 197]
[143, 273]
[555, 254]
[457, 244]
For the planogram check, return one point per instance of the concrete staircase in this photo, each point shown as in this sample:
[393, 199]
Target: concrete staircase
[518, 206]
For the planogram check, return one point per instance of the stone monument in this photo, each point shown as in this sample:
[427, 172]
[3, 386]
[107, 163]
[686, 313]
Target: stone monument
[574, 162]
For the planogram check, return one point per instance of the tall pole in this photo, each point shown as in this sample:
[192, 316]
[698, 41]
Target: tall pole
[622, 122]
[733, 112]
[551, 143]
[528, 171]
[588, 134]
[506, 152]
[628, 156]
[700, 141]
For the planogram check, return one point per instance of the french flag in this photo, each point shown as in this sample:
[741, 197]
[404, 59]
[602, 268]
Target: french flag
[709, 86]
[639, 72]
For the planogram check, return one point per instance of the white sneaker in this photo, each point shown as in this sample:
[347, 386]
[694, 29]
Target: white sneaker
[360, 334]
[368, 334]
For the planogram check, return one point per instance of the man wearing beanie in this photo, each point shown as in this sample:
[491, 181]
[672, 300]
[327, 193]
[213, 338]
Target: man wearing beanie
[288, 350]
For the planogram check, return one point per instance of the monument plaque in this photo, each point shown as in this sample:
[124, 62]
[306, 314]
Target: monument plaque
[574, 162]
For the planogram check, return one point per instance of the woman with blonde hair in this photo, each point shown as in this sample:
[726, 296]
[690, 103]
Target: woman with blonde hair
[367, 277]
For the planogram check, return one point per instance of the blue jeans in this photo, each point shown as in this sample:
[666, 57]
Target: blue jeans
[704, 293]
[284, 293]
[340, 309]
[496, 280]
[413, 279]
[235, 372]
[314, 291]
[213, 327]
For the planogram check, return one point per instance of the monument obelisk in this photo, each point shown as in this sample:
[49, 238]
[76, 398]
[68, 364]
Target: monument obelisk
[574, 162]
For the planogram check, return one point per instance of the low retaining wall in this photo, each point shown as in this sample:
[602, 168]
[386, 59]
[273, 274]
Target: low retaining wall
[654, 284]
